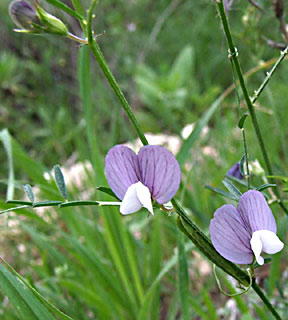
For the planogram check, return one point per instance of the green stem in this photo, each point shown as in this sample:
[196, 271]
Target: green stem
[233, 54]
[246, 158]
[265, 300]
[269, 75]
[109, 76]
[78, 7]
[77, 39]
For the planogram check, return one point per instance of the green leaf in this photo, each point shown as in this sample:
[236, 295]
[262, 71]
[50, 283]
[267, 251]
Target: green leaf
[26, 304]
[222, 193]
[6, 140]
[14, 209]
[265, 186]
[232, 188]
[283, 178]
[29, 192]
[48, 203]
[243, 165]
[107, 191]
[76, 203]
[60, 181]
[181, 70]
[28, 203]
[242, 120]
[65, 8]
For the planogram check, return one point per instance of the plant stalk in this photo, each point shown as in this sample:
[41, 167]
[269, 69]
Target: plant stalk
[233, 55]
[109, 76]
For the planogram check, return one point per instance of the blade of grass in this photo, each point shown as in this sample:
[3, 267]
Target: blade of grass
[27, 305]
[183, 278]
[209, 304]
[155, 265]
[49, 305]
[143, 314]
[6, 140]
[84, 78]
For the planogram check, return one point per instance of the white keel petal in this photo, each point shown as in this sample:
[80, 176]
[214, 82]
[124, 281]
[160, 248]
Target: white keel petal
[256, 246]
[266, 241]
[144, 196]
[130, 203]
[270, 242]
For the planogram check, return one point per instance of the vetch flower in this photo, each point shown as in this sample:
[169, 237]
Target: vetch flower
[242, 233]
[153, 174]
[235, 171]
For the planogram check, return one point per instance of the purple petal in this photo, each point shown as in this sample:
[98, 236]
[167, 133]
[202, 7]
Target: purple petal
[121, 169]
[160, 172]
[234, 171]
[255, 212]
[229, 236]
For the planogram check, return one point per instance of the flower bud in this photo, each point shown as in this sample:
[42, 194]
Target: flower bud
[51, 23]
[23, 15]
[256, 169]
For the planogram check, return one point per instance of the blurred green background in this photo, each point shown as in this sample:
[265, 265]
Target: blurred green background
[171, 60]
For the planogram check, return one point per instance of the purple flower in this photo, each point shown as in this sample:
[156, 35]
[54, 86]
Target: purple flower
[234, 171]
[23, 14]
[138, 179]
[242, 233]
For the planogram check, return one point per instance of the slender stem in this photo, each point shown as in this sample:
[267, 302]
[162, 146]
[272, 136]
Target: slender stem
[108, 74]
[77, 39]
[247, 174]
[266, 301]
[269, 75]
[237, 293]
[233, 54]
[78, 7]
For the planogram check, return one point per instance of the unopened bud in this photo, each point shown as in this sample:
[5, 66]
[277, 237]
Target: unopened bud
[256, 169]
[31, 20]
[51, 23]
[23, 15]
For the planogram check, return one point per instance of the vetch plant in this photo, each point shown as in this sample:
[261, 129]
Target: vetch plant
[241, 234]
[238, 235]
[153, 174]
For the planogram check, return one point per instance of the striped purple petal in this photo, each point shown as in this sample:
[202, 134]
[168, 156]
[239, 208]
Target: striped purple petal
[160, 172]
[255, 212]
[121, 169]
[229, 235]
